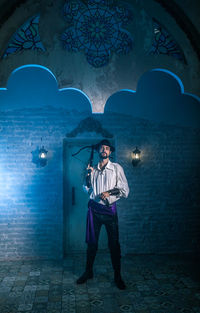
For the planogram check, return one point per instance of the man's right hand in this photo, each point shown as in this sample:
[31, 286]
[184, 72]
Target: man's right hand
[89, 169]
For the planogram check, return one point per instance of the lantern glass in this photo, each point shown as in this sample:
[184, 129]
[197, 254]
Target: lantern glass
[42, 154]
[136, 156]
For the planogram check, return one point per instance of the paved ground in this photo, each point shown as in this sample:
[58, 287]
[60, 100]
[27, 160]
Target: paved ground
[155, 284]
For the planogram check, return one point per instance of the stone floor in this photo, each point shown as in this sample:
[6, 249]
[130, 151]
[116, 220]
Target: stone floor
[155, 284]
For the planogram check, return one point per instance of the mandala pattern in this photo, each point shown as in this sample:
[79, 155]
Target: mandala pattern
[26, 37]
[164, 43]
[97, 29]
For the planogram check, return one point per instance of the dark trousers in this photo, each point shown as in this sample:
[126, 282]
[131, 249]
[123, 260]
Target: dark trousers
[111, 225]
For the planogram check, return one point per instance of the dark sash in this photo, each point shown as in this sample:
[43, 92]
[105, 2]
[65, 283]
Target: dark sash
[100, 209]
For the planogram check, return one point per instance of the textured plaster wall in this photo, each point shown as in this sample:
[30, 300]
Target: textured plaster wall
[72, 69]
[161, 214]
[31, 198]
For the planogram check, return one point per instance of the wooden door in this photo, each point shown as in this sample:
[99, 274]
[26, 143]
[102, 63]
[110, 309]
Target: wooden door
[75, 199]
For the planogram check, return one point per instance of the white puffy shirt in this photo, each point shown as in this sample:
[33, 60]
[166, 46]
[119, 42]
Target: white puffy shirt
[111, 177]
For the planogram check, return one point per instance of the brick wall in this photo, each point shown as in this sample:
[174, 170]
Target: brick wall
[31, 197]
[160, 216]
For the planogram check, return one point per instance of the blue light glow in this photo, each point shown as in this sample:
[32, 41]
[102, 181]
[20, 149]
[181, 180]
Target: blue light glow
[27, 88]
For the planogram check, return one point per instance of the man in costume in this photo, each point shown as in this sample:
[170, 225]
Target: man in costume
[105, 183]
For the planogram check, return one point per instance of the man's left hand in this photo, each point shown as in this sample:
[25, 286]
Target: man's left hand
[104, 195]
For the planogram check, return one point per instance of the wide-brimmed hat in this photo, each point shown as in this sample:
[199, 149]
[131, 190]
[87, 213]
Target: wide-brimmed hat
[104, 142]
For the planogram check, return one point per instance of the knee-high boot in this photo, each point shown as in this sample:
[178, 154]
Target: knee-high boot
[116, 263]
[115, 254]
[91, 253]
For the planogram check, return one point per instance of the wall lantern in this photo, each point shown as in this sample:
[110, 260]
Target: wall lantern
[136, 154]
[42, 156]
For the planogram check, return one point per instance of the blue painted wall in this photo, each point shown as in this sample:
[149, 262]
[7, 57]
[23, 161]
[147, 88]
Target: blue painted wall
[161, 214]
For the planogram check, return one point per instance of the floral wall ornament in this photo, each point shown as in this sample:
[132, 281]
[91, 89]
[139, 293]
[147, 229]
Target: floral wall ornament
[97, 28]
[164, 43]
[26, 37]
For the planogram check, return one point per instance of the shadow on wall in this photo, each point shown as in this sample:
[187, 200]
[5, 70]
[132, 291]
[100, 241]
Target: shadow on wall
[159, 97]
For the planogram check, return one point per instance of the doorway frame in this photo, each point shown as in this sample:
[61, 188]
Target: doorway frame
[66, 142]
